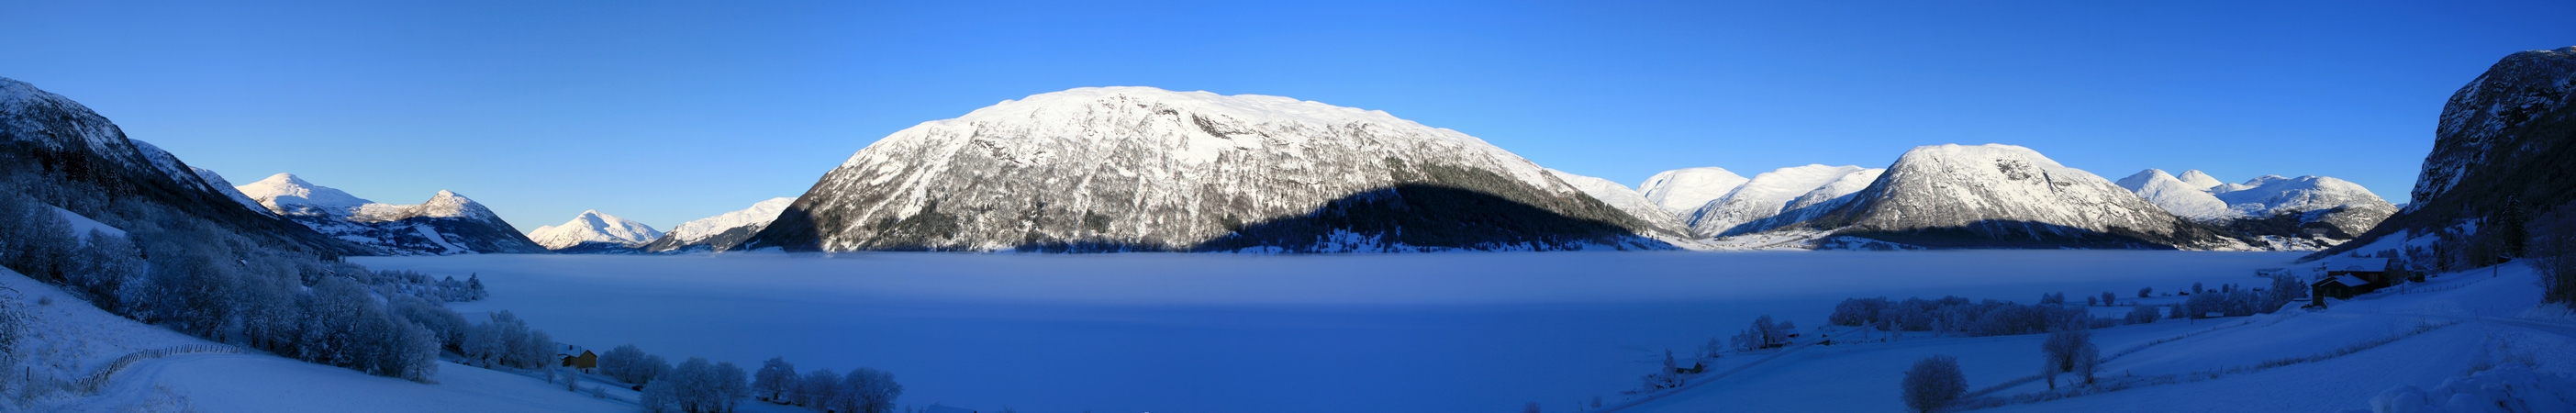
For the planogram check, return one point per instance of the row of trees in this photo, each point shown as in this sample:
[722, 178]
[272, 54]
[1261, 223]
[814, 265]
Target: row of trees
[1958, 315]
[185, 273]
[862, 390]
[2553, 253]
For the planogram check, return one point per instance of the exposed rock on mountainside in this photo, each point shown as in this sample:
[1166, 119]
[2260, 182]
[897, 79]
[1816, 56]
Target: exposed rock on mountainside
[58, 151]
[2504, 150]
[1132, 168]
[2002, 196]
[446, 224]
[721, 232]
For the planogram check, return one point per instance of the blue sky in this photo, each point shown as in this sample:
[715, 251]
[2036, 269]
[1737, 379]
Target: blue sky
[666, 112]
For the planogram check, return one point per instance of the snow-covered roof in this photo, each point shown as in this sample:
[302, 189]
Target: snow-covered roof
[2350, 281]
[2353, 264]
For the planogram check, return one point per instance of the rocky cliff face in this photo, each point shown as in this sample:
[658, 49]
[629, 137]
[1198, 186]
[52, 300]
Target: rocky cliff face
[1130, 168]
[2002, 196]
[60, 152]
[2505, 147]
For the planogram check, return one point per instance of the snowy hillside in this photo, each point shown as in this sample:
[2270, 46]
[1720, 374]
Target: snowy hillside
[1957, 196]
[446, 224]
[117, 176]
[594, 227]
[2182, 198]
[1681, 191]
[2199, 180]
[721, 232]
[1764, 196]
[1136, 168]
[2390, 351]
[1625, 199]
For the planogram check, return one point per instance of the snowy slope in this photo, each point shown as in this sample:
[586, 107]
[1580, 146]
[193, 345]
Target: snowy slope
[1136, 168]
[447, 223]
[221, 185]
[593, 226]
[2199, 180]
[44, 131]
[1621, 197]
[721, 232]
[2179, 197]
[1763, 196]
[169, 165]
[2006, 196]
[1684, 190]
[1815, 203]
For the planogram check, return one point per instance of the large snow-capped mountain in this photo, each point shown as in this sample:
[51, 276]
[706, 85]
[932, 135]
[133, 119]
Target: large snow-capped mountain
[2182, 198]
[594, 227]
[1625, 199]
[1681, 191]
[62, 153]
[1764, 196]
[1136, 168]
[1986, 196]
[2501, 151]
[2199, 180]
[722, 232]
[445, 224]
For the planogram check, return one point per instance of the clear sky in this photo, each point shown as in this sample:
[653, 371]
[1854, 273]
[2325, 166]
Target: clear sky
[669, 112]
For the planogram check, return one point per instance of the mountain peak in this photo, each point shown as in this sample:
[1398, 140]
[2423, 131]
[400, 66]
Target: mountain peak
[287, 193]
[1683, 190]
[594, 226]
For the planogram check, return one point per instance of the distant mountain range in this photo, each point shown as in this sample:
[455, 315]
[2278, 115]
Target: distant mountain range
[446, 224]
[1144, 169]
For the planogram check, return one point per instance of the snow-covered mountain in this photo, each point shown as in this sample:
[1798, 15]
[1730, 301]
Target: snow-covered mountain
[74, 159]
[2182, 198]
[1681, 191]
[1985, 196]
[1136, 168]
[2199, 180]
[445, 224]
[2322, 210]
[1764, 196]
[2502, 149]
[1625, 199]
[722, 232]
[593, 227]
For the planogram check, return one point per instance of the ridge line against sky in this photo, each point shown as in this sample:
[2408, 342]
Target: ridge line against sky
[669, 112]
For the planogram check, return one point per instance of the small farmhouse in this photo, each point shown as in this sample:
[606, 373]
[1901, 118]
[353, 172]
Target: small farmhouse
[2350, 276]
[578, 358]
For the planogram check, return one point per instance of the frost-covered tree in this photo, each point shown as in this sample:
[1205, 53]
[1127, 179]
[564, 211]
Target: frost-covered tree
[1762, 334]
[106, 263]
[868, 390]
[625, 363]
[2087, 359]
[2552, 249]
[1933, 383]
[2142, 315]
[2178, 313]
[817, 389]
[2108, 299]
[732, 385]
[2091, 302]
[2144, 292]
[775, 378]
[2059, 354]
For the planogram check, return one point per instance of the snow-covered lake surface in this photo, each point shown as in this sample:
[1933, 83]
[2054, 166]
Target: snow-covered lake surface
[1229, 333]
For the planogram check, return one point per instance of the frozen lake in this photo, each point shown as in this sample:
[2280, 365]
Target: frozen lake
[1457, 332]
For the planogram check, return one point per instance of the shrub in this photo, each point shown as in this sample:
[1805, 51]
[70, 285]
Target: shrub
[1933, 383]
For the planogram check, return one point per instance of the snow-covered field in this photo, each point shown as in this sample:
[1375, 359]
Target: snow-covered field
[1206, 333]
